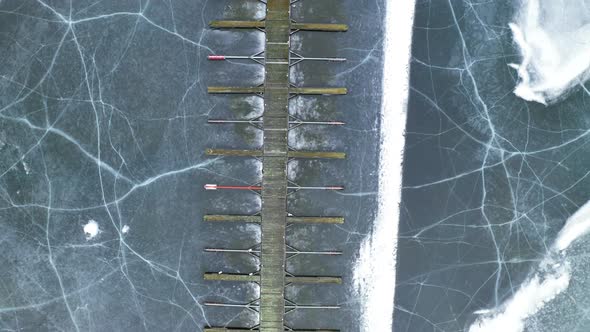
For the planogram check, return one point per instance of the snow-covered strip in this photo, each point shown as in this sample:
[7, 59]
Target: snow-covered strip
[551, 278]
[374, 273]
[576, 226]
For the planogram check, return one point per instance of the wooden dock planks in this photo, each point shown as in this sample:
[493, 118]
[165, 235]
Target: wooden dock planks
[275, 154]
[274, 165]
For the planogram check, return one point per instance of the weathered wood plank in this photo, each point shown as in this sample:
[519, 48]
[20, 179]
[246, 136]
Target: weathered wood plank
[257, 89]
[235, 89]
[228, 24]
[319, 91]
[255, 278]
[316, 155]
[313, 280]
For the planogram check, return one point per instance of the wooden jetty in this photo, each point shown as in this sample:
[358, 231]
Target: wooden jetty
[277, 90]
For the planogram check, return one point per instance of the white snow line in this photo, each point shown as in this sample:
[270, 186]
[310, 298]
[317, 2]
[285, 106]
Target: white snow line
[527, 301]
[551, 278]
[576, 226]
[374, 274]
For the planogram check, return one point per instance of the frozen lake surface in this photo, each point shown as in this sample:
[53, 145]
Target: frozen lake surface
[103, 110]
[493, 224]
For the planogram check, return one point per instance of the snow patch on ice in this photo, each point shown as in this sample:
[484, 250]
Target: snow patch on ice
[554, 41]
[91, 229]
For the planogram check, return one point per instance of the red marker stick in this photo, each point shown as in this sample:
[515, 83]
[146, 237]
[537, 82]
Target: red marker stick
[216, 57]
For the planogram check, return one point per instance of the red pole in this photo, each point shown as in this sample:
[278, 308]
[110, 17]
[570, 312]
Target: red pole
[216, 57]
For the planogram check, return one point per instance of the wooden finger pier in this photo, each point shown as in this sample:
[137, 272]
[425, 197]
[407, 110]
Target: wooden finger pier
[274, 251]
